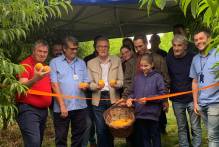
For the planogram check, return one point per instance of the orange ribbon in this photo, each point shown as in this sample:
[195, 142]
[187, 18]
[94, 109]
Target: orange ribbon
[165, 96]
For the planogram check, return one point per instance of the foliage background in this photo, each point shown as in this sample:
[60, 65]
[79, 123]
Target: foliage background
[18, 20]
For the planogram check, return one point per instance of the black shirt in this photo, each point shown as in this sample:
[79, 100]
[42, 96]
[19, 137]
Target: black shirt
[89, 57]
[179, 69]
[161, 52]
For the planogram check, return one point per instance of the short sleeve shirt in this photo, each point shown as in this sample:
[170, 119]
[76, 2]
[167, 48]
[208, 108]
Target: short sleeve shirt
[204, 65]
[42, 85]
[69, 76]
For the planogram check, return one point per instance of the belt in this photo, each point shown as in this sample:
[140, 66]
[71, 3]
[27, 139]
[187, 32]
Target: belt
[104, 92]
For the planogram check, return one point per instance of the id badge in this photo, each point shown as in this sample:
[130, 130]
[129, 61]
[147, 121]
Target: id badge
[75, 77]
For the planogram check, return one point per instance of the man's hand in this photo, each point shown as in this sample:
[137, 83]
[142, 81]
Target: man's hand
[64, 111]
[83, 86]
[39, 74]
[100, 84]
[196, 109]
[99, 87]
[112, 83]
[121, 102]
[166, 106]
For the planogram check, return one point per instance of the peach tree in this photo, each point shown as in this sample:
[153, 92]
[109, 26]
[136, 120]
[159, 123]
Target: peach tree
[17, 19]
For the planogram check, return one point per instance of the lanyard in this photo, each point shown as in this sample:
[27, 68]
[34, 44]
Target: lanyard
[73, 68]
[201, 76]
[203, 65]
[70, 65]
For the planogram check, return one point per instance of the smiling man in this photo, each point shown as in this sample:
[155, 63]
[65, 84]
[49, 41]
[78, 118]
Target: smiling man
[206, 102]
[68, 71]
[178, 63]
[33, 109]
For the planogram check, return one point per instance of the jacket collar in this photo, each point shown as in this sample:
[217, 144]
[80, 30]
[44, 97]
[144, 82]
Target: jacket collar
[108, 60]
[149, 74]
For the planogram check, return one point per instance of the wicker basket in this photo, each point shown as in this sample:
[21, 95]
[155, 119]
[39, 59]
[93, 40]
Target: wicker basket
[117, 113]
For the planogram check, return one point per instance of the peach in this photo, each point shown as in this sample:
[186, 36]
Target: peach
[38, 66]
[101, 83]
[83, 85]
[46, 69]
[112, 83]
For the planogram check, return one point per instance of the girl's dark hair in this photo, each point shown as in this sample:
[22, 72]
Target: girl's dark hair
[125, 46]
[128, 42]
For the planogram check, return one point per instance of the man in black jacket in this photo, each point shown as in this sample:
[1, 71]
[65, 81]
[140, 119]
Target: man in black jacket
[178, 63]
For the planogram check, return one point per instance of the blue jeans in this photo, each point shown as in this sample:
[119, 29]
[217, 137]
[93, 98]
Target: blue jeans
[90, 129]
[210, 116]
[104, 137]
[31, 121]
[195, 121]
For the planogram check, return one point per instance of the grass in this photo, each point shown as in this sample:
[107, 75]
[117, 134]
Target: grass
[13, 138]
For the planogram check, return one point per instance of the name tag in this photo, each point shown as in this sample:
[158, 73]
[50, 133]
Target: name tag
[75, 77]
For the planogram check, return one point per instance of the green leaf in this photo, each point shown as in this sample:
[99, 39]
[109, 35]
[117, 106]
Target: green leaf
[149, 5]
[23, 33]
[194, 7]
[64, 6]
[143, 2]
[216, 28]
[51, 12]
[202, 7]
[184, 5]
[3, 35]
[160, 3]
[207, 17]
[213, 6]
[68, 3]
[59, 14]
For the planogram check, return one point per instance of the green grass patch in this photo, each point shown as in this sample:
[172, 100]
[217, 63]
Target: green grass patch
[12, 136]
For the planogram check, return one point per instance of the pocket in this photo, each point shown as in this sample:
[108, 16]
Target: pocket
[213, 109]
[80, 73]
[62, 74]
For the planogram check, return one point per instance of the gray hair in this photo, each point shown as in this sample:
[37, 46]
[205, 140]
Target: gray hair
[40, 42]
[180, 38]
